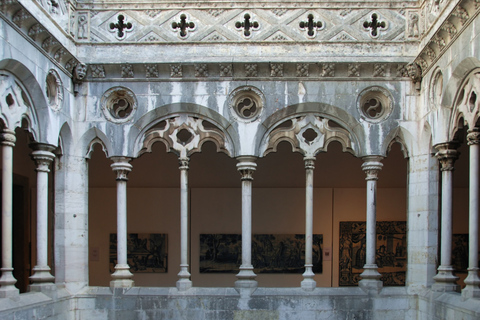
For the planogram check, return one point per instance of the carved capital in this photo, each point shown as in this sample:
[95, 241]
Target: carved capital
[473, 136]
[372, 167]
[8, 138]
[246, 166]
[309, 163]
[446, 155]
[43, 159]
[183, 163]
[121, 166]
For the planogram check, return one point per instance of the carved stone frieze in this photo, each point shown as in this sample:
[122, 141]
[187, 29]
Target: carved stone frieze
[308, 134]
[36, 30]
[185, 135]
[151, 71]
[97, 71]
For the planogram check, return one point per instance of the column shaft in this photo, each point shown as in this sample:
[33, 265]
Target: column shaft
[308, 283]
[41, 278]
[122, 275]
[445, 280]
[184, 282]
[246, 282]
[371, 276]
[7, 281]
[472, 288]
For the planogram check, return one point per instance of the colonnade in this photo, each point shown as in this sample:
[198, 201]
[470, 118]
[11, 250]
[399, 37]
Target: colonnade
[42, 154]
[445, 280]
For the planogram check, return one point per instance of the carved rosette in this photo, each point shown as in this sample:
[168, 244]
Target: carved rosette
[446, 155]
[119, 104]
[8, 138]
[473, 136]
[246, 103]
[121, 167]
[372, 167]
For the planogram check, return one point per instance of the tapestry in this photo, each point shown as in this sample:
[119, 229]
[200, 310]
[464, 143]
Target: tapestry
[391, 253]
[146, 252]
[460, 253]
[271, 253]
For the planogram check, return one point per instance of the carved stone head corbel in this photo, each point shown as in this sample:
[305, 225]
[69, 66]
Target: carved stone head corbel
[79, 73]
[414, 72]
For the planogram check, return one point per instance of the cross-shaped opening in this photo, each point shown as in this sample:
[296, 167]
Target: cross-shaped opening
[310, 25]
[183, 25]
[246, 25]
[374, 25]
[120, 26]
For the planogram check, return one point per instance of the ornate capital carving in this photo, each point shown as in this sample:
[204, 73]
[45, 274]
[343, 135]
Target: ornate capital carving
[372, 167]
[121, 166]
[183, 163]
[43, 159]
[447, 154]
[309, 163]
[7, 137]
[473, 136]
[246, 166]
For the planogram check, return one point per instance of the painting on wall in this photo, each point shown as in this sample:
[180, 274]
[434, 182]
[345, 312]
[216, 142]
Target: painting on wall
[146, 252]
[271, 253]
[391, 253]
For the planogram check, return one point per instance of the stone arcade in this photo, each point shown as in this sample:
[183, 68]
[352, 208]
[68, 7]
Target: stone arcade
[305, 168]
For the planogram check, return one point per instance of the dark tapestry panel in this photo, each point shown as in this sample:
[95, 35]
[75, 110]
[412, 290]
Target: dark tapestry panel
[146, 252]
[391, 255]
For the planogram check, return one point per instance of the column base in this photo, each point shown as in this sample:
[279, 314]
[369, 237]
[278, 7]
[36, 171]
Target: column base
[7, 284]
[184, 283]
[246, 283]
[48, 289]
[41, 274]
[445, 280]
[308, 284]
[122, 277]
[371, 279]
[472, 289]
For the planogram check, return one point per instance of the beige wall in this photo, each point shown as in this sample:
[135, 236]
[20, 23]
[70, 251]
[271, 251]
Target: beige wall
[218, 210]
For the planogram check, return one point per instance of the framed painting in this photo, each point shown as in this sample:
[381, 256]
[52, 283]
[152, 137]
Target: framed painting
[146, 252]
[391, 253]
[271, 253]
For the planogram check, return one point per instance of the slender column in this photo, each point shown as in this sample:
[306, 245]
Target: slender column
[7, 280]
[246, 276]
[184, 282]
[371, 276]
[43, 157]
[122, 275]
[472, 289]
[445, 280]
[308, 283]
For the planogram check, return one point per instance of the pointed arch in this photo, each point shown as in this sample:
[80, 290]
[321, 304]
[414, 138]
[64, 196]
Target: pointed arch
[92, 137]
[336, 125]
[201, 122]
[28, 95]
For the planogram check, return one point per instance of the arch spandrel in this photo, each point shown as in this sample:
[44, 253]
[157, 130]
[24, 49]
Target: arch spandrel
[346, 130]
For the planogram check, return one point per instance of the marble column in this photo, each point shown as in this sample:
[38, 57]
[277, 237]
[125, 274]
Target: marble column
[43, 157]
[445, 280]
[371, 276]
[122, 277]
[308, 283]
[246, 277]
[7, 280]
[184, 282]
[472, 289]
